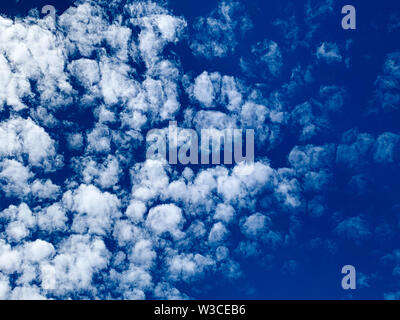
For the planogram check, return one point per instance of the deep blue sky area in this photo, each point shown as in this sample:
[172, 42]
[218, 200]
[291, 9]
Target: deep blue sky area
[343, 86]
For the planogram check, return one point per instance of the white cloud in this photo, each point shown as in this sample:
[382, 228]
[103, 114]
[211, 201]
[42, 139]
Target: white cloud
[329, 52]
[164, 290]
[224, 212]
[27, 293]
[10, 260]
[387, 93]
[149, 179]
[166, 218]
[143, 254]
[99, 140]
[38, 250]
[115, 84]
[254, 225]
[85, 27]
[218, 233]
[72, 269]
[20, 137]
[203, 89]
[21, 220]
[126, 233]
[106, 175]
[86, 71]
[95, 210]
[45, 189]
[188, 266]
[4, 287]
[216, 34]
[52, 218]
[136, 210]
[14, 177]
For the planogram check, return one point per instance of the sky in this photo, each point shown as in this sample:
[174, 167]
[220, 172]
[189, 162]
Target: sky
[84, 214]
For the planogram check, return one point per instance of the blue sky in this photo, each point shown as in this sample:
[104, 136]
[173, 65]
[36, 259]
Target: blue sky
[84, 214]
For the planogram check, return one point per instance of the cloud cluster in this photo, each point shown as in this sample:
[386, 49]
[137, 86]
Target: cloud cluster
[84, 215]
[217, 35]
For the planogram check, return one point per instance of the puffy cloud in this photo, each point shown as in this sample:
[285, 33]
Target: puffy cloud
[10, 260]
[95, 210]
[86, 71]
[315, 116]
[75, 141]
[21, 221]
[216, 34]
[164, 290]
[125, 233]
[99, 140]
[4, 287]
[14, 178]
[45, 189]
[105, 175]
[33, 53]
[85, 26]
[254, 224]
[357, 151]
[224, 212]
[311, 158]
[133, 282]
[387, 89]
[329, 52]
[362, 149]
[218, 233]
[115, 83]
[152, 21]
[205, 119]
[19, 137]
[203, 89]
[354, 228]
[136, 210]
[230, 93]
[166, 218]
[188, 266]
[13, 87]
[143, 254]
[53, 218]
[149, 179]
[72, 269]
[387, 148]
[27, 293]
[38, 250]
